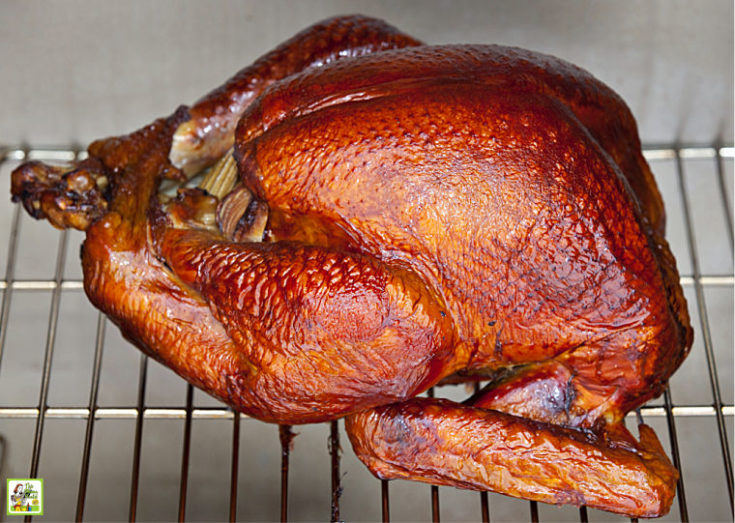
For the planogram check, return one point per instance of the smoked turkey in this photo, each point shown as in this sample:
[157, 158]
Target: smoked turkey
[404, 216]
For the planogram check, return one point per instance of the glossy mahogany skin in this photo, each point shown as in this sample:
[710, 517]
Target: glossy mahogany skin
[209, 131]
[435, 213]
[447, 161]
[443, 443]
[325, 332]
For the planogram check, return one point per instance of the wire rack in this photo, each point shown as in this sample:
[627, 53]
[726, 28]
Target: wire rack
[696, 183]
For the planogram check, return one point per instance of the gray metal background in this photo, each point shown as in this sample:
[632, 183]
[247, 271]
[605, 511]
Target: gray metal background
[78, 70]
[74, 71]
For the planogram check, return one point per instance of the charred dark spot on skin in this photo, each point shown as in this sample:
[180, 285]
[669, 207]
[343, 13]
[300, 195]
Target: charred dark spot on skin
[403, 435]
[558, 399]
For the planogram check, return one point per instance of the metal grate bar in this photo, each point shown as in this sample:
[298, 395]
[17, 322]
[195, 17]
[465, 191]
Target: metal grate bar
[185, 454]
[48, 355]
[704, 322]
[42, 285]
[334, 451]
[683, 512]
[99, 345]
[484, 501]
[435, 504]
[135, 476]
[653, 153]
[47, 360]
[639, 419]
[723, 193]
[691, 411]
[235, 465]
[286, 436]
[710, 280]
[385, 497]
[650, 152]
[484, 507]
[434, 489]
[534, 511]
[9, 275]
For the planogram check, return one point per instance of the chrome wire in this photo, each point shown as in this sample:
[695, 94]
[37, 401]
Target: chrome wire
[702, 309]
[96, 372]
[139, 412]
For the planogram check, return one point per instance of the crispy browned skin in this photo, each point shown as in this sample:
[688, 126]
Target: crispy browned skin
[67, 197]
[123, 277]
[209, 132]
[325, 331]
[445, 160]
[434, 213]
[443, 443]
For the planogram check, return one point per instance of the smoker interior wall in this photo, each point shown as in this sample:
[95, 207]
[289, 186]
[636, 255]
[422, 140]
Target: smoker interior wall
[78, 70]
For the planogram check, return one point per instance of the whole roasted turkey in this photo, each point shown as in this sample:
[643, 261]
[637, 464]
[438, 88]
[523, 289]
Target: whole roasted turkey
[404, 216]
